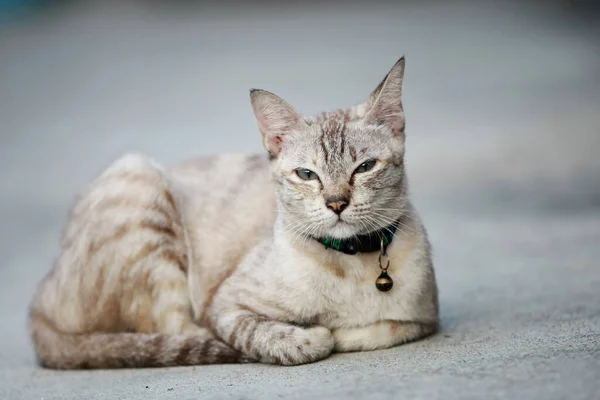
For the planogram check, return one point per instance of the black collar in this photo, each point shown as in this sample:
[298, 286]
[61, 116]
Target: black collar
[367, 243]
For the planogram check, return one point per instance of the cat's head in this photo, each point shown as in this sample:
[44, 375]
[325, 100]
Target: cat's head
[340, 173]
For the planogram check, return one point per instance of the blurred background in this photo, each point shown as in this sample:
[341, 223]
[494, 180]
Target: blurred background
[503, 127]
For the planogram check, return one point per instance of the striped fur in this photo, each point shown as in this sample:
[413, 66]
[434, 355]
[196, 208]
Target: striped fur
[210, 261]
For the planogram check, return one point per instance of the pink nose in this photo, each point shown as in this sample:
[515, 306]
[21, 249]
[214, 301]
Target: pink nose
[337, 204]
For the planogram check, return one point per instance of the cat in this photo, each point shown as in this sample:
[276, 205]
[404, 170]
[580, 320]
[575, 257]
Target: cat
[277, 258]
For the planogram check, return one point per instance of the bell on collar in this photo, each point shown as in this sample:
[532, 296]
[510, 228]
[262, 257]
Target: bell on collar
[384, 283]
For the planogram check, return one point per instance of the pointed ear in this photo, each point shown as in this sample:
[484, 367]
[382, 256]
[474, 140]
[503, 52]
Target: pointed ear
[386, 101]
[275, 118]
[368, 103]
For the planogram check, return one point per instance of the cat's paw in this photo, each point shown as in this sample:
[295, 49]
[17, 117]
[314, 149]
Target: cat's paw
[246, 359]
[318, 343]
[301, 346]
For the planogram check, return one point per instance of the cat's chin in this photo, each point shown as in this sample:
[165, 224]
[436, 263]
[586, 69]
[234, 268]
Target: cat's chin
[341, 230]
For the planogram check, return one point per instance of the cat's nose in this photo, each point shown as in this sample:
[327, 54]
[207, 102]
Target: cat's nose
[337, 204]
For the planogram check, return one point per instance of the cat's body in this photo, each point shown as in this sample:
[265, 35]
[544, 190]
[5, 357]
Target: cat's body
[214, 260]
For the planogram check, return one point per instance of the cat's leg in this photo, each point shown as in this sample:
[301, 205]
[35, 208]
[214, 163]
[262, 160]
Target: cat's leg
[147, 236]
[272, 341]
[126, 241]
[268, 340]
[381, 335]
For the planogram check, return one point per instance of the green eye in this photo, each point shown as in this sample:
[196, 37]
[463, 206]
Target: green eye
[306, 174]
[364, 167]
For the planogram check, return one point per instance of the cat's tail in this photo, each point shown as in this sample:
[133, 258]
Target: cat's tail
[58, 350]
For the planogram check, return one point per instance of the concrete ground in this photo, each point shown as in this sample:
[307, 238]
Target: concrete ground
[503, 109]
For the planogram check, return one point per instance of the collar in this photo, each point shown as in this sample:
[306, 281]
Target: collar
[367, 243]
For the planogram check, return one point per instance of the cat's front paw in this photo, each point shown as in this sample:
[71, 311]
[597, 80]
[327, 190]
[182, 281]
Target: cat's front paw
[301, 346]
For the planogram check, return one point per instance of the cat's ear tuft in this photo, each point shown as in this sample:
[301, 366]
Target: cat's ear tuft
[386, 101]
[275, 118]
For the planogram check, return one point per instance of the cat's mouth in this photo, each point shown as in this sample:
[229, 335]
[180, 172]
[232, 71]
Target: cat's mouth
[341, 229]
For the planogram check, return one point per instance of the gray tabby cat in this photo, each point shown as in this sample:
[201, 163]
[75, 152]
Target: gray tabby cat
[238, 258]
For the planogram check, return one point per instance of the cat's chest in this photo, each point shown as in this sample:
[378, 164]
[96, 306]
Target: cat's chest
[345, 292]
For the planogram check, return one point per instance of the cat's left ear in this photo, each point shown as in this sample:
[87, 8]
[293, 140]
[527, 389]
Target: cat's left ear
[275, 118]
[386, 101]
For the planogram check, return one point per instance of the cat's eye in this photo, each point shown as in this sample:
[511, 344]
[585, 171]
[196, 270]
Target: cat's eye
[306, 174]
[364, 167]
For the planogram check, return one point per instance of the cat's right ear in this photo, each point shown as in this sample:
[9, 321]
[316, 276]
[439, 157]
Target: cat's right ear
[386, 101]
[275, 118]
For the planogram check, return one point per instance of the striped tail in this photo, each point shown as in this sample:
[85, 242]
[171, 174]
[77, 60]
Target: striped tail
[57, 350]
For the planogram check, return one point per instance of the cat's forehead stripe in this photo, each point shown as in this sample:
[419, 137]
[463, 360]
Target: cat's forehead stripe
[324, 149]
[352, 151]
[343, 140]
[333, 138]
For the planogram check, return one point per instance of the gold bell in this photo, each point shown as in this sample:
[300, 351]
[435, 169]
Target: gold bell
[384, 283]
